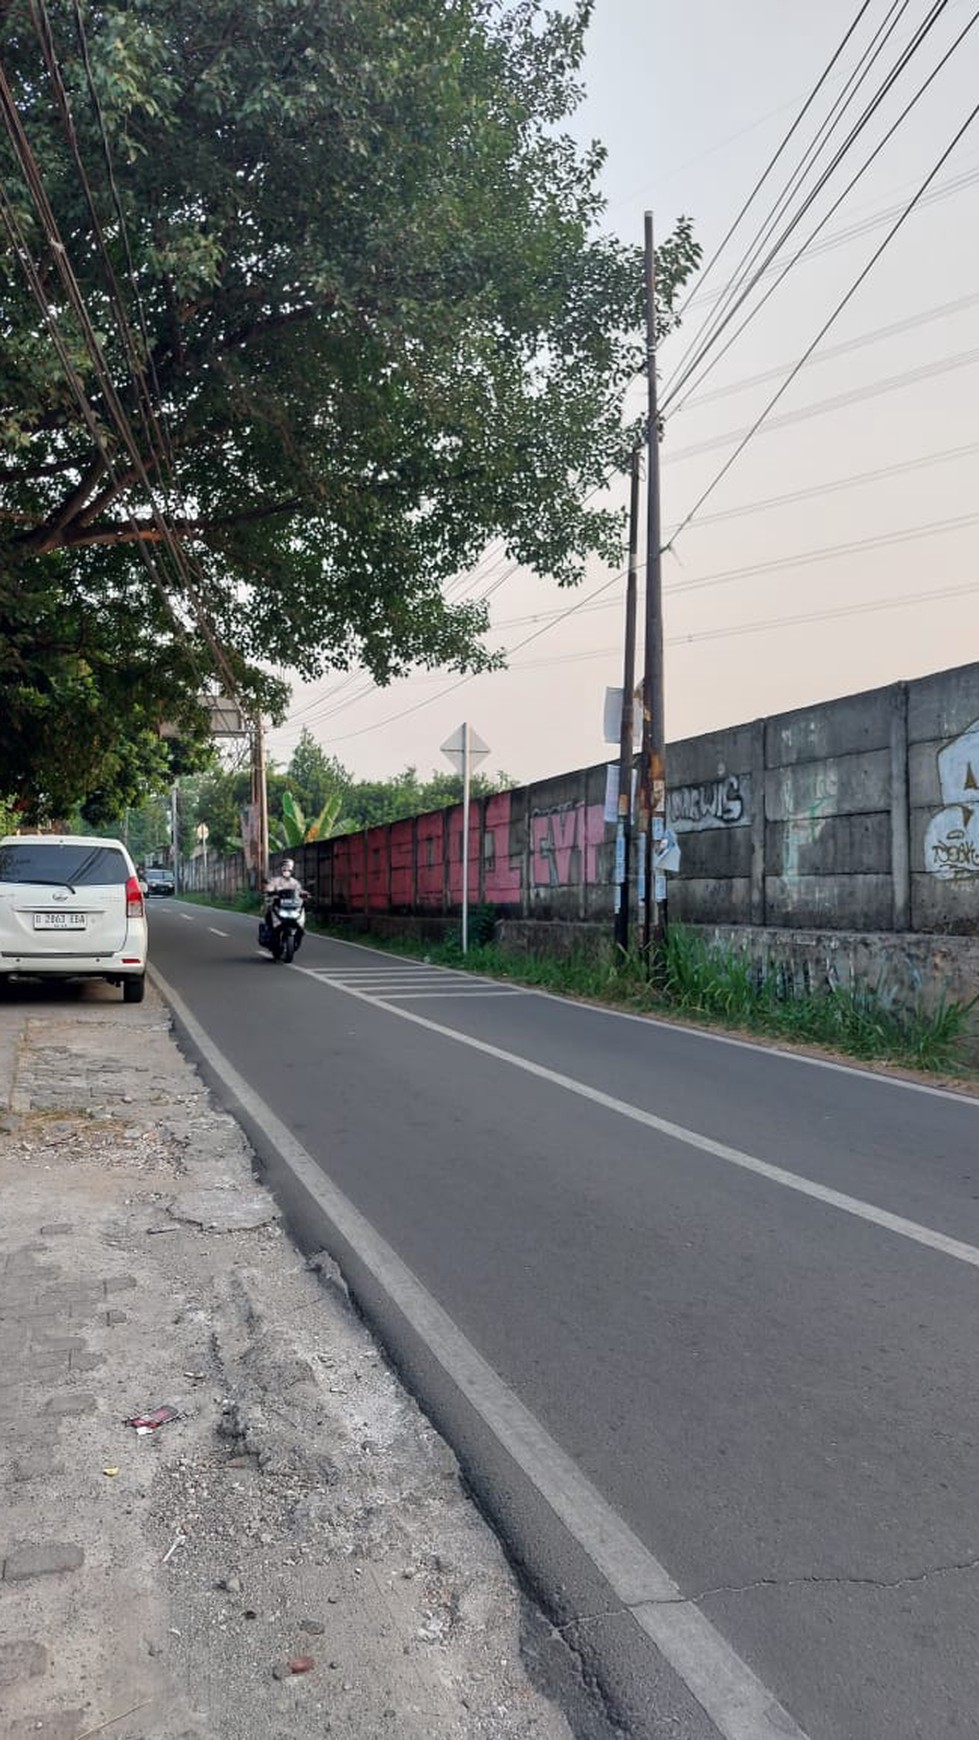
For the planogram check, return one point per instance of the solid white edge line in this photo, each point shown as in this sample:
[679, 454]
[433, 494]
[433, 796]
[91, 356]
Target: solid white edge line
[758, 1046]
[852, 1205]
[730, 1693]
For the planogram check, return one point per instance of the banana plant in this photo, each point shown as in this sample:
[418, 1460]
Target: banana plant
[295, 830]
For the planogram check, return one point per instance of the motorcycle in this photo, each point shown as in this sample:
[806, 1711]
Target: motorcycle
[282, 928]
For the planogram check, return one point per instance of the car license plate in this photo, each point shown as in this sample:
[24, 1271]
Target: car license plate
[59, 921]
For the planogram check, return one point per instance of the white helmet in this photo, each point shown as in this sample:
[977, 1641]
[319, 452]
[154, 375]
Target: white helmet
[287, 866]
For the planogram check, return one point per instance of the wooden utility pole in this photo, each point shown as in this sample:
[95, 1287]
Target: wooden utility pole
[623, 829]
[652, 786]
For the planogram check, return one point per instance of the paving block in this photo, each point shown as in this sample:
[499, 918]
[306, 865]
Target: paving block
[51, 1725]
[21, 1659]
[114, 1317]
[18, 1313]
[70, 1293]
[56, 1229]
[120, 1284]
[71, 1402]
[47, 1342]
[83, 1360]
[41, 1559]
[35, 1463]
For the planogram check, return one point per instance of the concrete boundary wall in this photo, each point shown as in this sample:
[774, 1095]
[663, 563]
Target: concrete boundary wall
[858, 815]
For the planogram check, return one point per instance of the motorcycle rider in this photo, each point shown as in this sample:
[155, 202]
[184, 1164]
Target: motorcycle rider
[284, 882]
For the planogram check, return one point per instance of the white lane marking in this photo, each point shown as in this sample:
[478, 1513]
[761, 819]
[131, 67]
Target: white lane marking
[188, 916]
[478, 988]
[736, 1701]
[363, 980]
[853, 1205]
[401, 995]
[765, 1047]
[215, 932]
[398, 972]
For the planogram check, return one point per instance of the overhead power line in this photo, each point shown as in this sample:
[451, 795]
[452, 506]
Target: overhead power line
[854, 480]
[829, 322]
[741, 281]
[840, 238]
[698, 363]
[770, 624]
[876, 335]
[777, 564]
[960, 359]
[779, 151]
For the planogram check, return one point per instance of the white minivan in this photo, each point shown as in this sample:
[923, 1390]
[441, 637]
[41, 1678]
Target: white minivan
[71, 907]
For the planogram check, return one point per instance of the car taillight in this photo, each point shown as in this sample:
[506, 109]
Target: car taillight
[134, 898]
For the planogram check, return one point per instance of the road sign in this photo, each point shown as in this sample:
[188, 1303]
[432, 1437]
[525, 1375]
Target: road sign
[454, 748]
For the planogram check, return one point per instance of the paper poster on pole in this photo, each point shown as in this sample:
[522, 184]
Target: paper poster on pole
[666, 851]
[612, 718]
[612, 792]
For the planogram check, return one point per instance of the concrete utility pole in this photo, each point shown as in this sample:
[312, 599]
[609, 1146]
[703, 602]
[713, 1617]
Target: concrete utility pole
[260, 798]
[652, 784]
[175, 833]
[623, 829]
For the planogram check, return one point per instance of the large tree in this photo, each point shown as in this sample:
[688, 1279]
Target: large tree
[306, 304]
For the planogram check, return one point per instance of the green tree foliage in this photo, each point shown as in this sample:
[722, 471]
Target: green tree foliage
[315, 777]
[368, 803]
[360, 317]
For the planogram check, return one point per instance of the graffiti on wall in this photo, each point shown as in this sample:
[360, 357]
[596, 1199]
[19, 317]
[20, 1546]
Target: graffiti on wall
[564, 842]
[715, 803]
[803, 831]
[952, 836]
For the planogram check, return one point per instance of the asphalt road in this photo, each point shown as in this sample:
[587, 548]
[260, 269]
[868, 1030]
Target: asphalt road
[736, 1289]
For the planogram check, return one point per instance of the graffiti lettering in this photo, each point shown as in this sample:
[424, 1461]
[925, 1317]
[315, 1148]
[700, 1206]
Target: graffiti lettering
[952, 836]
[559, 838]
[716, 803]
[952, 843]
[956, 855]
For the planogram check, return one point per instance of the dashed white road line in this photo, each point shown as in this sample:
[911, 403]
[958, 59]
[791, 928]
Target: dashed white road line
[215, 932]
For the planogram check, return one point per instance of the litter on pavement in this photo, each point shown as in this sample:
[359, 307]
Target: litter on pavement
[149, 1422]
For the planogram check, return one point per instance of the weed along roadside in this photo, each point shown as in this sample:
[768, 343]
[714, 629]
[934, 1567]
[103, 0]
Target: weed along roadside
[709, 984]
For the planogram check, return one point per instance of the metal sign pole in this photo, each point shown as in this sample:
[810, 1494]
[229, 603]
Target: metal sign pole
[461, 750]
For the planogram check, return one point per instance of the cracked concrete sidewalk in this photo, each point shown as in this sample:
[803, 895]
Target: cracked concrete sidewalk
[293, 1554]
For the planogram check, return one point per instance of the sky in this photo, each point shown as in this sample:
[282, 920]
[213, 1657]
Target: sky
[854, 509]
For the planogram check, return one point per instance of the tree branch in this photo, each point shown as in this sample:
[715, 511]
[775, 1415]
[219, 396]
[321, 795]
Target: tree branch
[147, 533]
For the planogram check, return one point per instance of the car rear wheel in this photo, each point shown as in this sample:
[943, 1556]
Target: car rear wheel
[134, 990]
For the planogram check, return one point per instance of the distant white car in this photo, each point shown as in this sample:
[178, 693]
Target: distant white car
[71, 907]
